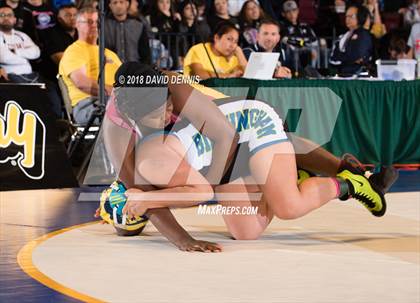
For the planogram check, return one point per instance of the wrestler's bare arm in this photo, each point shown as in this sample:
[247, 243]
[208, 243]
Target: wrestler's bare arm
[204, 114]
[163, 220]
[162, 164]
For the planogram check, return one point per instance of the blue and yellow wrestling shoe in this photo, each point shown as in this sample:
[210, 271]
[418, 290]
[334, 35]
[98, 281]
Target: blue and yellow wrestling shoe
[111, 205]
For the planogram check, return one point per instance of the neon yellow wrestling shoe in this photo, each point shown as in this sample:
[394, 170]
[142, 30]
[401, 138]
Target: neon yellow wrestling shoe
[302, 175]
[365, 191]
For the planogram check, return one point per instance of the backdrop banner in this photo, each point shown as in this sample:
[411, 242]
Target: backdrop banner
[378, 121]
[31, 157]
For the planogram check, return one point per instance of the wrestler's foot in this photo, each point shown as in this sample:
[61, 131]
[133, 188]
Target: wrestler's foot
[384, 179]
[363, 190]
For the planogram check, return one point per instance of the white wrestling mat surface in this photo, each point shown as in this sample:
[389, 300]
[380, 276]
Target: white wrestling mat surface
[339, 253]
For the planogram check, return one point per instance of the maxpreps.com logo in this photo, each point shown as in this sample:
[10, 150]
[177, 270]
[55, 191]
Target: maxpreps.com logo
[24, 135]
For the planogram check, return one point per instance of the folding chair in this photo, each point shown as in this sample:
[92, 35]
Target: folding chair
[84, 132]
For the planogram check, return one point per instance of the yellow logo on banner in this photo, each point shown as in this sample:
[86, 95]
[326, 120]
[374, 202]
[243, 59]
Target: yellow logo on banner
[23, 134]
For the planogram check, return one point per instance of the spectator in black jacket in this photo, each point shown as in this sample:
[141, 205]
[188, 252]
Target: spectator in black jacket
[355, 48]
[164, 20]
[126, 35]
[59, 38]
[163, 16]
[268, 40]
[197, 30]
[299, 37]
[219, 13]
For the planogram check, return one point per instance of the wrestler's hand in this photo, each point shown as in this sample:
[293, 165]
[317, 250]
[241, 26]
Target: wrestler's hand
[134, 207]
[200, 246]
[98, 214]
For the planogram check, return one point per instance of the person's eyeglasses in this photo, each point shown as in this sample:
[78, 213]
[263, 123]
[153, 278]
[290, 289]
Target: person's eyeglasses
[90, 21]
[2, 15]
[351, 16]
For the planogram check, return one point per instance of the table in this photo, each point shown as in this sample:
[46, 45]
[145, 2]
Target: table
[377, 121]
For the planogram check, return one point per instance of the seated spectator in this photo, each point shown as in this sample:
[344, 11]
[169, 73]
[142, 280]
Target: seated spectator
[16, 49]
[42, 16]
[355, 48]
[398, 48]
[126, 35]
[164, 20]
[295, 33]
[398, 38]
[412, 14]
[249, 18]
[268, 40]
[196, 30]
[63, 34]
[219, 13]
[135, 12]
[163, 16]
[79, 66]
[87, 3]
[221, 58]
[59, 38]
[24, 22]
[374, 22]
[298, 36]
[414, 42]
[133, 9]
[201, 10]
[191, 23]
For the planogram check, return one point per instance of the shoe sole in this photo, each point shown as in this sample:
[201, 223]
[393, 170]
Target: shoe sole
[390, 175]
[382, 196]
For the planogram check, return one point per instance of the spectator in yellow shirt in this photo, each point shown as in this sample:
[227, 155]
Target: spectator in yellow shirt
[79, 66]
[221, 58]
